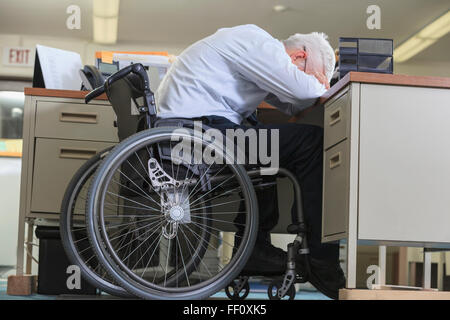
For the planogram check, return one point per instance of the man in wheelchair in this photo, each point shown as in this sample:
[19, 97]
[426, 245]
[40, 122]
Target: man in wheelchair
[221, 80]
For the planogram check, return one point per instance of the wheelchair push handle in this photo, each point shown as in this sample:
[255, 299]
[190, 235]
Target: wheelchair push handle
[137, 69]
[94, 93]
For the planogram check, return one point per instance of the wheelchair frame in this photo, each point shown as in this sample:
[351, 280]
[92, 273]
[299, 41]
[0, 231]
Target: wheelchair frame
[137, 78]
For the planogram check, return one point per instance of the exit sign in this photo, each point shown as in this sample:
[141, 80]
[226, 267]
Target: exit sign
[18, 57]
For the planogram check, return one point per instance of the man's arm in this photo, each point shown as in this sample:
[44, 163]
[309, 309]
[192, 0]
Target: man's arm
[270, 68]
[289, 108]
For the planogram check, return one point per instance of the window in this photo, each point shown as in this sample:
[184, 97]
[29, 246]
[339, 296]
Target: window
[11, 114]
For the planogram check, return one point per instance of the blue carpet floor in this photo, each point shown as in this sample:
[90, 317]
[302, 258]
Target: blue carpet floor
[258, 291]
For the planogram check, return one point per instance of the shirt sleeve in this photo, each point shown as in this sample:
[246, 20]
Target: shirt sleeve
[271, 69]
[289, 108]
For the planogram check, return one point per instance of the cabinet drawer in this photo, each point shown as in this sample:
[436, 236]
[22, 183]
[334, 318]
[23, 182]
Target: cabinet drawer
[76, 121]
[55, 162]
[336, 190]
[337, 121]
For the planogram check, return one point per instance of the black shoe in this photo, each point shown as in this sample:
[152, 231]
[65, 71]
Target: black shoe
[265, 260]
[325, 276]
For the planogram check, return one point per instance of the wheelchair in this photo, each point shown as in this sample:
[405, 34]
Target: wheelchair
[151, 218]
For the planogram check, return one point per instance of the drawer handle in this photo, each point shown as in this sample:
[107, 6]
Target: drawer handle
[335, 117]
[79, 117]
[72, 153]
[335, 160]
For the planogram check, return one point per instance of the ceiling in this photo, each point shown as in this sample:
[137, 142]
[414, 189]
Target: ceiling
[181, 22]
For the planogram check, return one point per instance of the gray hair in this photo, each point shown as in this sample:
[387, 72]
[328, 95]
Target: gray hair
[316, 45]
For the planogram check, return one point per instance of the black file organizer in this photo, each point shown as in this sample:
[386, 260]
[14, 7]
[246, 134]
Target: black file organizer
[365, 55]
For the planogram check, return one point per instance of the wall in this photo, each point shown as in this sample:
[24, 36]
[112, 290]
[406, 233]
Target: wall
[423, 68]
[87, 51]
[9, 215]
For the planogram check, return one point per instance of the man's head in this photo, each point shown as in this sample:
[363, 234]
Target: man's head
[311, 53]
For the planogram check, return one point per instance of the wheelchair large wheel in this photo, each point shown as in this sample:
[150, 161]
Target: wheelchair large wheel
[73, 229]
[160, 221]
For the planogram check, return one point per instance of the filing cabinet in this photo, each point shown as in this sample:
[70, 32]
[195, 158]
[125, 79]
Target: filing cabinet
[55, 163]
[386, 174]
[336, 175]
[374, 167]
[60, 134]
[76, 121]
[337, 118]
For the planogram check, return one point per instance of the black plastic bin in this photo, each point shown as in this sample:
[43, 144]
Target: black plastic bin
[53, 264]
[365, 55]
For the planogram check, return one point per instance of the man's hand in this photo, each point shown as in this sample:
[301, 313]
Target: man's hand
[321, 77]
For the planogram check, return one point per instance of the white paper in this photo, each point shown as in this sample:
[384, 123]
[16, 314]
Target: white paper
[145, 59]
[160, 62]
[158, 65]
[60, 68]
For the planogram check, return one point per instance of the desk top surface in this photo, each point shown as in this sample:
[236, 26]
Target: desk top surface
[73, 94]
[363, 77]
[389, 79]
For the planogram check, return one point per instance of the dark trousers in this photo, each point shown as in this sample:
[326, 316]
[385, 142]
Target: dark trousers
[301, 152]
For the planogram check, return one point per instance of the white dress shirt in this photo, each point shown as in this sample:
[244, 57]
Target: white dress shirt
[230, 73]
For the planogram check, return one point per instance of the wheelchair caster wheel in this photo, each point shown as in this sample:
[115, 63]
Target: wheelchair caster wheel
[232, 290]
[274, 289]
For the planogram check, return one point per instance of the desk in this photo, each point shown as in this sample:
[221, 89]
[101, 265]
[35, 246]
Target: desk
[385, 160]
[60, 133]
[386, 163]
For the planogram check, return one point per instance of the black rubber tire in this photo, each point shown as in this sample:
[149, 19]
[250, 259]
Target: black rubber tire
[132, 143]
[237, 295]
[276, 284]
[76, 184]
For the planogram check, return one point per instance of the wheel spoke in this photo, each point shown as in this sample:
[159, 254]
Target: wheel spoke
[136, 250]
